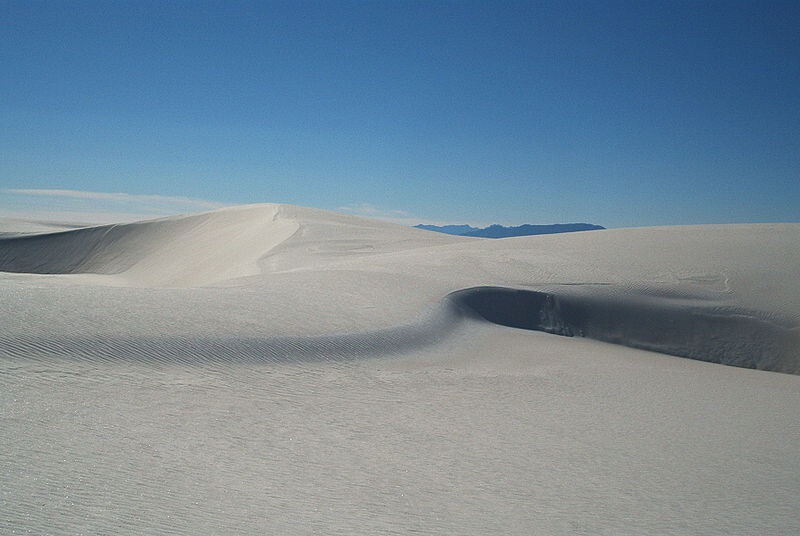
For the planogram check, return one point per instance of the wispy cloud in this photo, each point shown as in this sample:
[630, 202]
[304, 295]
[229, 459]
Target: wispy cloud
[118, 197]
[94, 207]
[402, 217]
[371, 211]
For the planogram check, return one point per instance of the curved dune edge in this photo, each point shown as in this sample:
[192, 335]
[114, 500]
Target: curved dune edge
[261, 240]
[699, 331]
[178, 251]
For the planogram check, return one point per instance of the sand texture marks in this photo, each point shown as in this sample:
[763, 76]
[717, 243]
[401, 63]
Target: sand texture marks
[279, 368]
[727, 298]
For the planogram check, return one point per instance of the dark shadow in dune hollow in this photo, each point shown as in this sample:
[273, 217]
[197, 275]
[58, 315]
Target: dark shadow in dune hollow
[714, 334]
[672, 325]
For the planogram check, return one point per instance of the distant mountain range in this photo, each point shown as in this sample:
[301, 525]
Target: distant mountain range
[499, 231]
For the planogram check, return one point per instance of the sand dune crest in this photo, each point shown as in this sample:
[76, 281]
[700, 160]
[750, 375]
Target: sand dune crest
[177, 251]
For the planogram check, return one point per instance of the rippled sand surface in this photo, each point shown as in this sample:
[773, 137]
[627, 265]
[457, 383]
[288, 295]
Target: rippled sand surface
[285, 370]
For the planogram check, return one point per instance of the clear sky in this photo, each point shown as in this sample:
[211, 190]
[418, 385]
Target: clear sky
[616, 113]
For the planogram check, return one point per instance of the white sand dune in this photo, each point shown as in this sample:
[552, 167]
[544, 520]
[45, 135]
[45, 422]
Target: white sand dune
[188, 250]
[278, 368]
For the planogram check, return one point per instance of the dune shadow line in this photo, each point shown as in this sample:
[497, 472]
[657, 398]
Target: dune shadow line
[716, 334]
[685, 328]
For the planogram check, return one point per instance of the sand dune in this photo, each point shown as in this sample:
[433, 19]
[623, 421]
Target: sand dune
[700, 319]
[729, 336]
[676, 326]
[187, 250]
[279, 367]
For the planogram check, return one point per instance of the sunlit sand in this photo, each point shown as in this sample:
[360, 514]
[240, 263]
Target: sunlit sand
[290, 370]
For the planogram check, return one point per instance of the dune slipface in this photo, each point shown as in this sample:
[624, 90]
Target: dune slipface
[289, 369]
[679, 325]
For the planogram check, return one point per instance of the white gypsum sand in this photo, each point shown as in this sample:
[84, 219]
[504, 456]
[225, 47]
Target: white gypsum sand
[278, 369]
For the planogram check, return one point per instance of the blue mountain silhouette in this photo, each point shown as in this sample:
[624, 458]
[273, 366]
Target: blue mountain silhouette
[499, 231]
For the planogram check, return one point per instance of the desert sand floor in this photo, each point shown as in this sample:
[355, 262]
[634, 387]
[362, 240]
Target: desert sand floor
[276, 369]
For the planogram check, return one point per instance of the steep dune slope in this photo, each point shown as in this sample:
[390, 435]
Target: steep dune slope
[201, 249]
[176, 251]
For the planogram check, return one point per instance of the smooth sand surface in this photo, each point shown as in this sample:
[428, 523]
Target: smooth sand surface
[271, 368]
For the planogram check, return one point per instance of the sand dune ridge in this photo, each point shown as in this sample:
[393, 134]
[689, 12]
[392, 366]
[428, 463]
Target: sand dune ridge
[699, 315]
[177, 251]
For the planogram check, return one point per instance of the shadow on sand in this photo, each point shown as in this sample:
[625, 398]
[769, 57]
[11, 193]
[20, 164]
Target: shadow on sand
[675, 326]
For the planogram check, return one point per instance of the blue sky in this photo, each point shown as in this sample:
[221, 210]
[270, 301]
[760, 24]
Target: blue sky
[616, 113]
